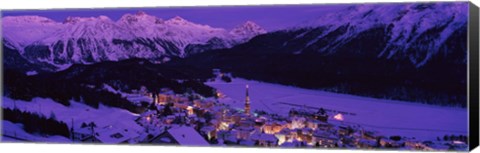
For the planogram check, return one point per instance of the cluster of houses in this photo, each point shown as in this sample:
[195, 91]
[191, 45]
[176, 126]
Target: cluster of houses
[192, 120]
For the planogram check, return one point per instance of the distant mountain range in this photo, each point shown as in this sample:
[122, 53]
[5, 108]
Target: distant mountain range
[95, 39]
[414, 52]
[405, 51]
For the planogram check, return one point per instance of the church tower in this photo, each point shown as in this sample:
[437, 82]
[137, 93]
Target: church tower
[247, 102]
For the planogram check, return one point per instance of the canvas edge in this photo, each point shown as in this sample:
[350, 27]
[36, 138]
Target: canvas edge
[473, 76]
[472, 54]
[1, 77]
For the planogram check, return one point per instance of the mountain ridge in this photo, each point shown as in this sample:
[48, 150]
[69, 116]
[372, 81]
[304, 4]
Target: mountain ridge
[405, 24]
[430, 69]
[95, 39]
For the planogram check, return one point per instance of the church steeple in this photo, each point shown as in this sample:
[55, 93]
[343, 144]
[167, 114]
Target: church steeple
[247, 101]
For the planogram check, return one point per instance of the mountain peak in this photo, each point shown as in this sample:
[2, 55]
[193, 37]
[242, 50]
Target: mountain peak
[103, 17]
[248, 30]
[177, 20]
[141, 13]
[73, 20]
[250, 24]
[139, 16]
[407, 24]
[387, 13]
[26, 19]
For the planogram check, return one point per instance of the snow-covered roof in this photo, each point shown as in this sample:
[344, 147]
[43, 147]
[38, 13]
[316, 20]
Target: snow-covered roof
[148, 113]
[139, 98]
[285, 131]
[306, 130]
[180, 114]
[85, 130]
[438, 146]
[264, 136]
[199, 119]
[247, 143]
[207, 129]
[323, 134]
[245, 128]
[368, 142]
[214, 121]
[186, 135]
[294, 143]
[231, 137]
[282, 122]
[111, 134]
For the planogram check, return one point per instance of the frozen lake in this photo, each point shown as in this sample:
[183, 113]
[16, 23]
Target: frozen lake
[388, 117]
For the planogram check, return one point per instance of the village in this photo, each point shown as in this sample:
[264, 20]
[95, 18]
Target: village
[190, 119]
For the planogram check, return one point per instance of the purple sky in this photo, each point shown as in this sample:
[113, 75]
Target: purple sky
[269, 17]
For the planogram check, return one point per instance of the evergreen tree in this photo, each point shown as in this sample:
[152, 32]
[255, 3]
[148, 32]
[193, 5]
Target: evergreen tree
[35, 123]
[321, 111]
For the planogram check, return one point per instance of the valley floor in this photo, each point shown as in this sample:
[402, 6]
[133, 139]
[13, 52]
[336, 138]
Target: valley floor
[388, 117]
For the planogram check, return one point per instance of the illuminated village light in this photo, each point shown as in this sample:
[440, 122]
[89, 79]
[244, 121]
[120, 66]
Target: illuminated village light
[338, 117]
[458, 142]
[190, 110]
[220, 95]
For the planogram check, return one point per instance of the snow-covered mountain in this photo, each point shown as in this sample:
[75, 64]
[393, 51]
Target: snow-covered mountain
[19, 32]
[246, 31]
[414, 32]
[398, 51]
[418, 31]
[95, 39]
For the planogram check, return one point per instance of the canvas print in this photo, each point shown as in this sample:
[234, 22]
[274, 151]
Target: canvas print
[389, 76]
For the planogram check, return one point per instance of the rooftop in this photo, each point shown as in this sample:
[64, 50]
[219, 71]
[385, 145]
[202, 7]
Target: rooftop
[186, 135]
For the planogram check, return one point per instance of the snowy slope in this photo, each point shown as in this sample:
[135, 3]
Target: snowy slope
[247, 31]
[24, 30]
[104, 116]
[10, 130]
[405, 24]
[388, 117]
[95, 39]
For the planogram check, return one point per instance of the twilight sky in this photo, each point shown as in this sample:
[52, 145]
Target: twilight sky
[269, 17]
